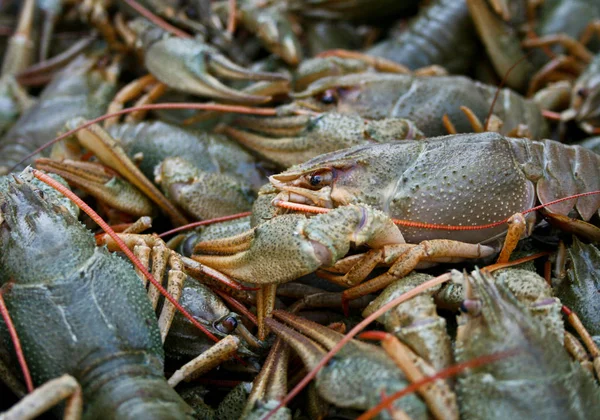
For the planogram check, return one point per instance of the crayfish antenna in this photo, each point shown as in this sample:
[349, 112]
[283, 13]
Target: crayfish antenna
[442, 374]
[136, 262]
[238, 109]
[488, 119]
[16, 342]
[157, 20]
[205, 222]
[353, 332]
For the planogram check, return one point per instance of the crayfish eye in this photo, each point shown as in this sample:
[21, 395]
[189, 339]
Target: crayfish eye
[471, 307]
[227, 325]
[40, 193]
[329, 97]
[582, 92]
[320, 179]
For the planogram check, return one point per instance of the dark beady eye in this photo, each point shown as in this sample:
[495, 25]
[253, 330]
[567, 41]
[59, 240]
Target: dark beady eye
[320, 179]
[315, 180]
[329, 97]
[227, 325]
[40, 193]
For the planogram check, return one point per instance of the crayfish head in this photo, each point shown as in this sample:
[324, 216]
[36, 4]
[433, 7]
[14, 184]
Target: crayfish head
[494, 321]
[365, 174]
[321, 185]
[484, 309]
[40, 238]
[370, 95]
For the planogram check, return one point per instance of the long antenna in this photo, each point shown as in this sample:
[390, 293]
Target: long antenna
[170, 105]
[105, 227]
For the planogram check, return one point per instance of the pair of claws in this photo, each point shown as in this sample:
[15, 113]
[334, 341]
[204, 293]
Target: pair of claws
[190, 66]
[290, 246]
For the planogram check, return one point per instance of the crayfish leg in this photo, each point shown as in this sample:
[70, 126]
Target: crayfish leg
[434, 250]
[265, 303]
[127, 93]
[151, 250]
[47, 396]
[211, 358]
[516, 228]
[270, 386]
[440, 399]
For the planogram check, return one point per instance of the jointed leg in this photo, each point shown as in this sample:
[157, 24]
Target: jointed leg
[494, 124]
[576, 323]
[152, 96]
[176, 278]
[211, 358]
[516, 229]
[573, 46]
[434, 250]
[440, 399]
[578, 352]
[128, 92]
[592, 28]
[47, 396]
[147, 247]
[160, 258]
[555, 66]
[265, 303]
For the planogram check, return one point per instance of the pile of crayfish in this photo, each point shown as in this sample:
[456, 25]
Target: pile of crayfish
[277, 209]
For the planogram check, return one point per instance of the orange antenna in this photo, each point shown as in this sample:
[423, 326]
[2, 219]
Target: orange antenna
[433, 226]
[205, 222]
[353, 332]
[237, 305]
[202, 107]
[16, 342]
[442, 374]
[158, 21]
[391, 304]
[105, 227]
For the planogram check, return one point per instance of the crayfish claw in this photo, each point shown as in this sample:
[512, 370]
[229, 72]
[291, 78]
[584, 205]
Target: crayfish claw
[191, 66]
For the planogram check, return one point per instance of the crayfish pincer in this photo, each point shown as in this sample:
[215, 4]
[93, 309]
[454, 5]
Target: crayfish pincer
[80, 310]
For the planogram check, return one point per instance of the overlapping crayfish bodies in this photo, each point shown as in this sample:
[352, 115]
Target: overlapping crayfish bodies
[423, 100]
[464, 180]
[67, 303]
[204, 174]
[84, 88]
[291, 140]
[539, 380]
